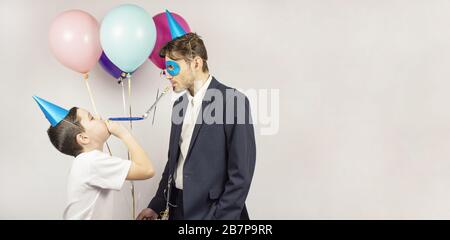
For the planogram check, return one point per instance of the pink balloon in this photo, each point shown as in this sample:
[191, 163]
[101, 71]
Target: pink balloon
[75, 40]
[163, 36]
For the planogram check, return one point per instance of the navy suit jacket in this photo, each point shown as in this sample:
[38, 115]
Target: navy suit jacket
[221, 158]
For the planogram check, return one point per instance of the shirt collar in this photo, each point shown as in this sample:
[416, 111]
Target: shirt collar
[198, 97]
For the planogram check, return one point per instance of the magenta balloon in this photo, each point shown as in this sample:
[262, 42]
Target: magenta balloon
[163, 35]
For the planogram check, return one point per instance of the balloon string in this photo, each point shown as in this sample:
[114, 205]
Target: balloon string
[154, 110]
[123, 99]
[91, 97]
[129, 155]
[129, 99]
[109, 149]
[86, 78]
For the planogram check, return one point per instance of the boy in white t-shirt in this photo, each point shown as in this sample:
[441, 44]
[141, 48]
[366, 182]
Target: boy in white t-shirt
[94, 174]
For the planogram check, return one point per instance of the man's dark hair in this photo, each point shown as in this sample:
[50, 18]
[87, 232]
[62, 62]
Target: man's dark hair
[187, 46]
[64, 135]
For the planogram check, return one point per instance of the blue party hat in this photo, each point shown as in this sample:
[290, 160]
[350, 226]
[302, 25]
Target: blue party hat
[52, 112]
[175, 28]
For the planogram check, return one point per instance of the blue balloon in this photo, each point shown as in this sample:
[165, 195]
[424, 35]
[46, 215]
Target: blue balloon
[127, 36]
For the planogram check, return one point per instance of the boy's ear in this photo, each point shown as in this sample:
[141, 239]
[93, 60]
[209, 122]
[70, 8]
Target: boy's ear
[82, 139]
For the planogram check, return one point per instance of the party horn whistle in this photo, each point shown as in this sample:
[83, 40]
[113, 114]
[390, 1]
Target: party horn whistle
[146, 114]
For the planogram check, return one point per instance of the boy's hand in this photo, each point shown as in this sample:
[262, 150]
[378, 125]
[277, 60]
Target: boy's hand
[117, 129]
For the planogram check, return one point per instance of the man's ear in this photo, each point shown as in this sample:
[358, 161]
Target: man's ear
[198, 63]
[82, 139]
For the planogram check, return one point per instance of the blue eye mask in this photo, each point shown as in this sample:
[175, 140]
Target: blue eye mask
[172, 68]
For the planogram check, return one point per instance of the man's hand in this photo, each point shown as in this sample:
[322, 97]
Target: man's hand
[147, 214]
[117, 129]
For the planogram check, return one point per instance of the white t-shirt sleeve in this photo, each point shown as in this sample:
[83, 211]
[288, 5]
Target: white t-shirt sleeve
[108, 172]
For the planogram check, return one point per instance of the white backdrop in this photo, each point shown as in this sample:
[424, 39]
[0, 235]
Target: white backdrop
[364, 122]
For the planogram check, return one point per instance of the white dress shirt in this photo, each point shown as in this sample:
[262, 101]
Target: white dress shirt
[192, 112]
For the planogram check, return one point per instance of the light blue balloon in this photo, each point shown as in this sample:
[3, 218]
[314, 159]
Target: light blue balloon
[127, 36]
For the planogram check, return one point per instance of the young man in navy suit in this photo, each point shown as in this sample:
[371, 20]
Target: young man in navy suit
[212, 148]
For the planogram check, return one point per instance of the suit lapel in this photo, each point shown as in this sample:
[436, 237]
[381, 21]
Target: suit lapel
[198, 125]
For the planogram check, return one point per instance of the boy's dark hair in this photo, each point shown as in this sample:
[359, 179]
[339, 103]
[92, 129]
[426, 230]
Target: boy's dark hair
[188, 46]
[64, 135]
